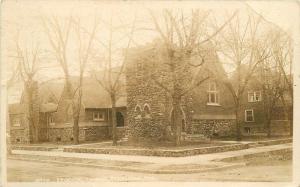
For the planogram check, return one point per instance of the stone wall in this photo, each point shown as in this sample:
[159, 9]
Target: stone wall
[214, 127]
[19, 136]
[143, 92]
[159, 152]
[90, 133]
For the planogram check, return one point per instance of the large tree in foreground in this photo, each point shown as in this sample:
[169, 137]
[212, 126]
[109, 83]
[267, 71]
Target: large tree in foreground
[182, 35]
[28, 58]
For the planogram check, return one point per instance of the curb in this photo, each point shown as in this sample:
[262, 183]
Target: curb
[140, 170]
[270, 153]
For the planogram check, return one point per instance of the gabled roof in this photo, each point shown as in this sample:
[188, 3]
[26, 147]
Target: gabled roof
[48, 107]
[93, 96]
[16, 108]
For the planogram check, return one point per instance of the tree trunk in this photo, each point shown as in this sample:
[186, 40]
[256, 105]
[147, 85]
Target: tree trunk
[269, 127]
[238, 124]
[177, 121]
[76, 130]
[114, 120]
[32, 125]
[289, 115]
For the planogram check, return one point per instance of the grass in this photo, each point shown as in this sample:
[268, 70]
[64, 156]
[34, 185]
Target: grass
[162, 145]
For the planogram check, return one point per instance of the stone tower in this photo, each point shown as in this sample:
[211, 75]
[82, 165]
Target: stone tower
[149, 106]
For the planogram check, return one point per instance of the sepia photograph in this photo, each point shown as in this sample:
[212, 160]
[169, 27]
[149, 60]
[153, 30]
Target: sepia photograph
[149, 91]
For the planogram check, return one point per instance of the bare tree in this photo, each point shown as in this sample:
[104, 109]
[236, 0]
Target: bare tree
[28, 59]
[110, 78]
[58, 33]
[244, 48]
[10, 82]
[84, 55]
[282, 56]
[272, 87]
[182, 36]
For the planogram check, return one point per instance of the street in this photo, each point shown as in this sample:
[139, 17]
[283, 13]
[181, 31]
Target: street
[28, 171]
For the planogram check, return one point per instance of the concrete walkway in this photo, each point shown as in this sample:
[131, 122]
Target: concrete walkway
[197, 159]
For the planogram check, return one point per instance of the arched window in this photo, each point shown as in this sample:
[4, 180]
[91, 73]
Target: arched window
[147, 110]
[138, 111]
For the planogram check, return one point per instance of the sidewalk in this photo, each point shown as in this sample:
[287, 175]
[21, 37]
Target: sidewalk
[197, 159]
[151, 164]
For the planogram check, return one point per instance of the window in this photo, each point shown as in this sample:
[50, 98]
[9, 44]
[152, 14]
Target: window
[147, 110]
[51, 119]
[138, 111]
[16, 122]
[213, 94]
[254, 96]
[249, 116]
[98, 116]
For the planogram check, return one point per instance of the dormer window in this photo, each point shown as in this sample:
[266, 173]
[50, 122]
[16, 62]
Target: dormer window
[254, 96]
[213, 94]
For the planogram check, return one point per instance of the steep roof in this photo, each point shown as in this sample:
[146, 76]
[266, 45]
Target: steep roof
[16, 108]
[94, 95]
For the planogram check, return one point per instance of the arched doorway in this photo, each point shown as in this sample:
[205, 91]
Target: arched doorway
[120, 119]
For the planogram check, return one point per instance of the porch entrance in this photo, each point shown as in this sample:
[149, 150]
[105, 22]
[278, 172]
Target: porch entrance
[120, 119]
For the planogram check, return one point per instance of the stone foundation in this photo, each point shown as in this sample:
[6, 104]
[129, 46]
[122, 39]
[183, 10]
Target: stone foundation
[85, 134]
[214, 128]
[19, 136]
[145, 131]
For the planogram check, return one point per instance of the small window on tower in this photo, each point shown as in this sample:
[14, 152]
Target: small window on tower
[147, 111]
[138, 111]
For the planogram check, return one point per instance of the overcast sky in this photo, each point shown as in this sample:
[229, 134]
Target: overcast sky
[25, 16]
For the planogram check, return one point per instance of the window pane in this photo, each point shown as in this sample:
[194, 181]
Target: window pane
[251, 96]
[213, 98]
[249, 115]
[249, 118]
[257, 96]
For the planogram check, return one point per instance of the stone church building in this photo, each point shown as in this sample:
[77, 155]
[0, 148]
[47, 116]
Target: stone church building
[205, 110]
[144, 111]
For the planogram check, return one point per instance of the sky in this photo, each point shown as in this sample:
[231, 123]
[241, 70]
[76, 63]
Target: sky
[26, 15]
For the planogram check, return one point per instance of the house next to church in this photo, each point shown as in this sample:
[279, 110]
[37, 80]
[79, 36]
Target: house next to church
[54, 114]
